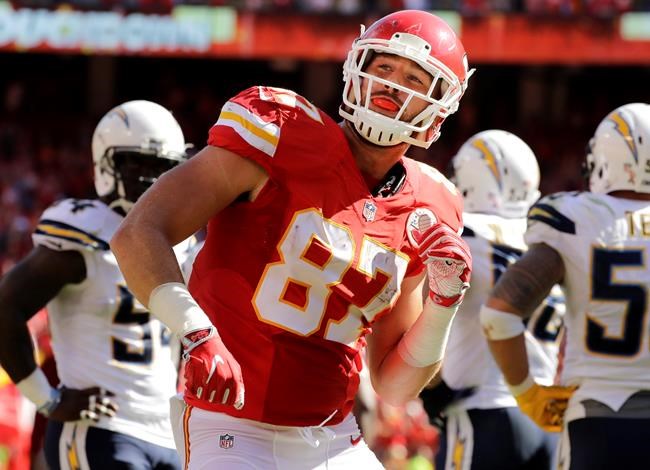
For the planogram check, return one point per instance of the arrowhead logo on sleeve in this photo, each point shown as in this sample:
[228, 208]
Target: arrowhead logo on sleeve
[418, 221]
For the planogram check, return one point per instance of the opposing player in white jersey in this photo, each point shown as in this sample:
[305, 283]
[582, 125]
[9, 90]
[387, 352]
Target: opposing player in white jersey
[115, 363]
[597, 244]
[498, 175]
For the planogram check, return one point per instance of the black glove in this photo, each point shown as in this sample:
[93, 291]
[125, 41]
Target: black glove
[436, 400]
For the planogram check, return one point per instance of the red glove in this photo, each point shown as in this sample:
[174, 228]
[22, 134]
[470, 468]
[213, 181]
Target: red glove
[449, 264]
[211, 372]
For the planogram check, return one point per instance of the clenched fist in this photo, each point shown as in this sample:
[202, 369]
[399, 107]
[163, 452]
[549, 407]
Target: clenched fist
[448, 261]
[211, 372]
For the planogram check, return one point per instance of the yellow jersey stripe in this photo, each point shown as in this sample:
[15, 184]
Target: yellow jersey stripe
[250, 127]
[66, 234]
[540, 211]
[63, 231]
[72, 455]
[552, 217]
[258, 133]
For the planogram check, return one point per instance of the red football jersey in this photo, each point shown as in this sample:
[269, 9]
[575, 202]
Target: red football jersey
[293, 280]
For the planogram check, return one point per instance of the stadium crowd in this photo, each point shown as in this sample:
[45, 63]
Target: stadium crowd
[551, 8]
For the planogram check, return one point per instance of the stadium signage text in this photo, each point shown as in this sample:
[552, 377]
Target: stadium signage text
[182, 32]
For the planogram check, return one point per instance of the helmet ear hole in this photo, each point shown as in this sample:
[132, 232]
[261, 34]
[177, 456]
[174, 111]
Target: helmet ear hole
[106, 164]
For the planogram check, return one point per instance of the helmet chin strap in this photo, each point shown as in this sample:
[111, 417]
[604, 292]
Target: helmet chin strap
[122, 205]
[121, 202]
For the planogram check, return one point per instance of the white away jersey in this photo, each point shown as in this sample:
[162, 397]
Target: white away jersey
[101, 335]
[495, 243]
[604, 242]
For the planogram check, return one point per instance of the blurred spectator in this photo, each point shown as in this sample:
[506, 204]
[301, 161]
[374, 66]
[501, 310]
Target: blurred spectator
[607, 8]
[404, 438]
[27, 186]
[552, 7]
[16, 417]
[469, 8]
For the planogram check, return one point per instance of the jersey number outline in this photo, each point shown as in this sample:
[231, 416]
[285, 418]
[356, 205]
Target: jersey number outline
[605, 289]
[502, 257]
[140, 351]
[316, 260]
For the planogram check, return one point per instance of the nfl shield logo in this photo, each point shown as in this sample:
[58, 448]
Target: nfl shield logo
[369, 211]
[226, 441]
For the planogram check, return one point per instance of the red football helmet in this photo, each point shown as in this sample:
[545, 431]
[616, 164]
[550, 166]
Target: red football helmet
[426, 40]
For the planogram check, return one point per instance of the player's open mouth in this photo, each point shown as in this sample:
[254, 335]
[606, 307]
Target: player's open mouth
[385, 103]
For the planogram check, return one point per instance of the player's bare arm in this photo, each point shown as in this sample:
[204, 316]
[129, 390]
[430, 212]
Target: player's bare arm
[521, 288]
[409, 352]
[42, 274]
[26, 289]
[527, 282]
[393, 379]
[180, 203]
[175, 207]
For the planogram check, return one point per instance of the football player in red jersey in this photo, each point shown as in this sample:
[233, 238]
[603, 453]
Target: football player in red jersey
[318, 234]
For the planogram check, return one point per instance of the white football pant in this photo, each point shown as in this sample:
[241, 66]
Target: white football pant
[210, 440]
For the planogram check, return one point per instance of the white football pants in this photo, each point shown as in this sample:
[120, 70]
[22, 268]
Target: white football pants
[210, 440]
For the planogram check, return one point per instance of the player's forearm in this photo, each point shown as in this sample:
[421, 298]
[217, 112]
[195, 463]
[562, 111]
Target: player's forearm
[24, 291]
[146, 258]
[510, 356]
[416, 358]
[17, 359]
[397, 382]
[16, 348]
[148, 263]
[504, 330]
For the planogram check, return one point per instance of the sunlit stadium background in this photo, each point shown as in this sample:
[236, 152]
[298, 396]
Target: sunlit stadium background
[547, 70]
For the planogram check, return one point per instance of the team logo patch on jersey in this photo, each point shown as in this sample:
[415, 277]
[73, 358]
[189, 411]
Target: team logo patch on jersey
[369, 211]
[226, 441]
[420, 219]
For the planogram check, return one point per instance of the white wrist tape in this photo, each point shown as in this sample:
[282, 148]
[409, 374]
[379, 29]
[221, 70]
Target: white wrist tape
[523, 387]
[499, 325]
[173, 305]
[37, 389]
[424, 343]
